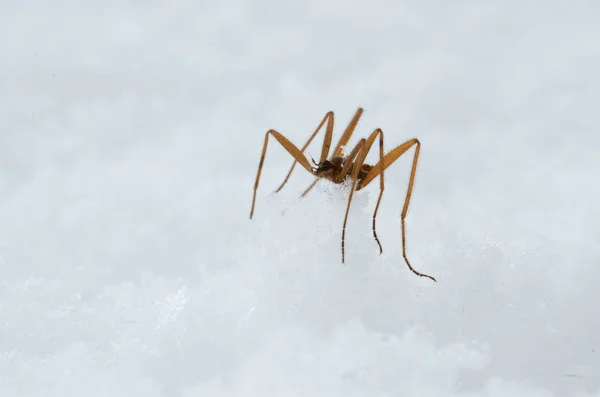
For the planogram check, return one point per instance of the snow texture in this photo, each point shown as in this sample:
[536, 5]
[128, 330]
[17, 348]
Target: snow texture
[130, 134]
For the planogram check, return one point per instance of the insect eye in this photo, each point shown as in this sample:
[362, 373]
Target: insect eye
[325, 166]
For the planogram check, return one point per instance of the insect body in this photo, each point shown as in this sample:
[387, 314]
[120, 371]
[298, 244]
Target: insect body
[332, 170]
[339, 168]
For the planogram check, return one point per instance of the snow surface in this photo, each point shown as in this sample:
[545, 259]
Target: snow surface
[130, 133]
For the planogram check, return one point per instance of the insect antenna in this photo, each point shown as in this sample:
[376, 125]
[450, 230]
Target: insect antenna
[314, 162]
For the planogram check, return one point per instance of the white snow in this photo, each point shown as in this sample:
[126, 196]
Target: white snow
[130, 134]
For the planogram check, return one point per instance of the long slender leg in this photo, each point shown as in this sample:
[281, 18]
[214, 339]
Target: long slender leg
[326, 144]
[308, 189]
[388, 160]
[363, 147]
[357, 151]
[369, 143]
[347, 133]
[358, 165]
[290, 147]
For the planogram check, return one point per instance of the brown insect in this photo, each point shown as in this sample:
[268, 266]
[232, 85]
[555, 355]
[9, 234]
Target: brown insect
[340, 168]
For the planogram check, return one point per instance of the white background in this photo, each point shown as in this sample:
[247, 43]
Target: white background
[130, 134]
